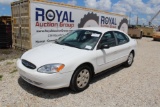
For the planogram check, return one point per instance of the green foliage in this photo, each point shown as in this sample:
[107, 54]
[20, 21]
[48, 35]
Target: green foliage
[1, 77]
[1, 58]
[15, 70]
[9, 63]
[6, 52]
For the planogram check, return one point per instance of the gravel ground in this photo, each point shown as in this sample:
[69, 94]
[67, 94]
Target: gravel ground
[136, 86]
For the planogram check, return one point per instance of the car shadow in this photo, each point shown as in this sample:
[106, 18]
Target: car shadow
[136, 38]
[57, 93]
[43, 93]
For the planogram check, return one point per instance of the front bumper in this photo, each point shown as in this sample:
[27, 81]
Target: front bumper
[43, 80]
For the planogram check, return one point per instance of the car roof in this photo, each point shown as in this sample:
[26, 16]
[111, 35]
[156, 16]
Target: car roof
[100, 29]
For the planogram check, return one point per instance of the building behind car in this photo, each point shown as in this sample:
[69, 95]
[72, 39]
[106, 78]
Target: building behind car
[37, 22]
[5, 32]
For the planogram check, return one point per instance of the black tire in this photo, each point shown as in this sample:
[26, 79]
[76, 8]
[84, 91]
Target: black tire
[74, 84]
[154, 39]
[89, 16]
[130, 60]
[140, 35]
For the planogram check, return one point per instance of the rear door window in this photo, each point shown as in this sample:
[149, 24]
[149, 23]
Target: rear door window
[121, 38]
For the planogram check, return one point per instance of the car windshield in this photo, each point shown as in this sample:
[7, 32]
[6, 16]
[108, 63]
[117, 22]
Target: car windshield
[82, 39]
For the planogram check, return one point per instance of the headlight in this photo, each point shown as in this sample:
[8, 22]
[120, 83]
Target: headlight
[51, 68]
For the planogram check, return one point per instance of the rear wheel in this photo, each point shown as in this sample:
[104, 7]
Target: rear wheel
[140, 35]
[154, 39]
[80, 79]
[130, 60]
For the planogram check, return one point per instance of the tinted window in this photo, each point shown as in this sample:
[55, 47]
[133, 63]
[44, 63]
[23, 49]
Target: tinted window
[82, 39]
[108, 39]
[73, 37]
[121, 38]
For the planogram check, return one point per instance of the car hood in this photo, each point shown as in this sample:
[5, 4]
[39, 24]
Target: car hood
[52, 53]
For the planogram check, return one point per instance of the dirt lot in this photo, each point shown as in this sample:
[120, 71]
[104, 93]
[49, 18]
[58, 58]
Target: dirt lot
[136, 86]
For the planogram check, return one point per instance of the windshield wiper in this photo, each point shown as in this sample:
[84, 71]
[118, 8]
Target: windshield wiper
[56, 42]
[68, 44]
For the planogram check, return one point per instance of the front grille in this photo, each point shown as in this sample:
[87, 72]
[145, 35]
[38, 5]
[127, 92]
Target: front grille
[28, 64]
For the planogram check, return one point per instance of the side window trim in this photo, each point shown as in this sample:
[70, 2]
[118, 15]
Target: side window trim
[126, 38]
[115, 37]
[112, 33]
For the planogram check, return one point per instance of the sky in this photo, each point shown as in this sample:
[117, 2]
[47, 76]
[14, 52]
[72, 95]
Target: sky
[143, 9]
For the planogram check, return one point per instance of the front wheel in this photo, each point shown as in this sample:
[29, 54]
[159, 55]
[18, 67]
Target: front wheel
[80, 79]
[129, 61]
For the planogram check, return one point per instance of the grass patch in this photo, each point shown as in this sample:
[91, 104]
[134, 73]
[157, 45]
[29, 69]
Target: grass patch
[1, 77]
[1, 59]
[10, 54]
[16, 56]
[13, 71]
[9, 63]
[6, 52]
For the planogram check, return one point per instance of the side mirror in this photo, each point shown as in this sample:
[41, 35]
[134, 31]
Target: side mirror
[105, 46]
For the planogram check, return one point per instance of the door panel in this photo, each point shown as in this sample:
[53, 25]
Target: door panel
[123, 46]
[122, 52]
[107, 58]
[116, 54]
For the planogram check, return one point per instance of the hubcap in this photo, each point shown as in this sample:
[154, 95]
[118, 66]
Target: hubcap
[83, 78]
[130, 59]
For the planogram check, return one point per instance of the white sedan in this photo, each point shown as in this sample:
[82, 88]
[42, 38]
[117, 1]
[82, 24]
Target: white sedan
[72, 60]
